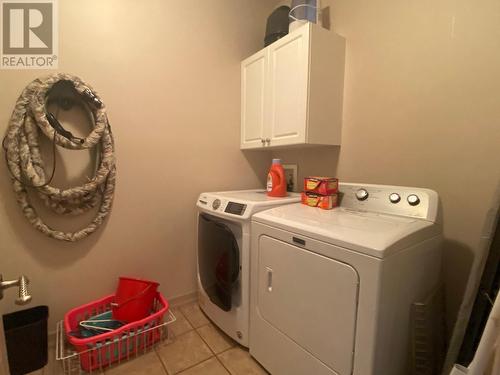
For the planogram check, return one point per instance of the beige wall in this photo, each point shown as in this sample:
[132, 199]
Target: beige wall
[421, 108]
[169, 73]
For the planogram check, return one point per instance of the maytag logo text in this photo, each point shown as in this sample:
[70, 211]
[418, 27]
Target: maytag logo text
[29, 34]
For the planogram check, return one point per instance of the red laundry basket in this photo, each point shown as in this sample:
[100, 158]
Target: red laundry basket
[134, 299]
[102, 350]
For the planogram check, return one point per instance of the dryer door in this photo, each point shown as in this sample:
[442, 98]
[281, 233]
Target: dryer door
[311, 302]
[218, 260]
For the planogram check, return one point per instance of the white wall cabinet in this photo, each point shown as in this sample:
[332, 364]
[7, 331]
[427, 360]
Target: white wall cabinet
[292, 91]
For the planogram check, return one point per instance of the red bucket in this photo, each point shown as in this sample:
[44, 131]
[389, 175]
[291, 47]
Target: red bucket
[134, 299]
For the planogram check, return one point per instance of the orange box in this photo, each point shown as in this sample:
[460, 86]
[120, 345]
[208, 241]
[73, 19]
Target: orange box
[325, 202]
[321, 185]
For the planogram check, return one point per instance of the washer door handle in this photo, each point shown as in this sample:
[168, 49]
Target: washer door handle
[269, 272]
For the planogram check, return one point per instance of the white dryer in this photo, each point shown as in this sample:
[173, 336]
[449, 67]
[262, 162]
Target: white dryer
[331, 291]
[224, 220]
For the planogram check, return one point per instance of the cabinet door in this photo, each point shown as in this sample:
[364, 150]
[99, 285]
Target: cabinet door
[288, 88]
[253, 92]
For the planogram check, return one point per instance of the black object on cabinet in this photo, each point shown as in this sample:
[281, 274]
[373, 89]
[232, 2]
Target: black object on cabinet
[277, 25]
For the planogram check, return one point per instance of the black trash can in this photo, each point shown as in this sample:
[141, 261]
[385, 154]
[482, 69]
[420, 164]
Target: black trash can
[26, 339]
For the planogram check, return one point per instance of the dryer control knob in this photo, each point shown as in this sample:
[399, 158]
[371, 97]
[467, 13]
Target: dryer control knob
[216, 204]
[413, 199]
[362, 194]
[394, 198]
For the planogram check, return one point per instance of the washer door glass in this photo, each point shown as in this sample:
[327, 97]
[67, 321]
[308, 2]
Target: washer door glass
[218, 260]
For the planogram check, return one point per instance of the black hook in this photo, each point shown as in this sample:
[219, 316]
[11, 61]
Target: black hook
[60, 129]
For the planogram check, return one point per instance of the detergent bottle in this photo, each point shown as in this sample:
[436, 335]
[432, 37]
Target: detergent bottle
[276, 181]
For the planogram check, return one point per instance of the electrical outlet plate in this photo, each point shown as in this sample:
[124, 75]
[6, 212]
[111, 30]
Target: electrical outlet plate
[291, 177]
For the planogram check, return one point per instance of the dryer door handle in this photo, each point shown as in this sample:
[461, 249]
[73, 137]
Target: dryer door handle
[269, 273]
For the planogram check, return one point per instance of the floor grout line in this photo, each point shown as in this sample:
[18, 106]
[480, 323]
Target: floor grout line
[228, 349]
[206, 343]
[222, 363]
[216, 354]
[161, 362]
[201, 311]
[195, 329]
[196, 364]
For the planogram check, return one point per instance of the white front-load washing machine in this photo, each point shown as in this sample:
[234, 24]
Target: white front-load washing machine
[224, 220]
[331, 291]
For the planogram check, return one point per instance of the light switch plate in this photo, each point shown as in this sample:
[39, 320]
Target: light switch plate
[291, 177]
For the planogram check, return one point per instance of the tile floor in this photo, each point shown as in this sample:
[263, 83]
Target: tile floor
[196, 347]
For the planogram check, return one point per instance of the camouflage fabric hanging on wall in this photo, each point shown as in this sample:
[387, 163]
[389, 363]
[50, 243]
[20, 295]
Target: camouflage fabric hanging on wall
[26, 166]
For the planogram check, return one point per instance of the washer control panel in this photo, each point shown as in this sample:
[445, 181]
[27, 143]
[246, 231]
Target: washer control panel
[394, 200]
[216, 204]
[235, 208]
[222, 205]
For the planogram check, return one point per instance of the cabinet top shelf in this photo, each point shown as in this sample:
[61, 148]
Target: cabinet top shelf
[307, 27]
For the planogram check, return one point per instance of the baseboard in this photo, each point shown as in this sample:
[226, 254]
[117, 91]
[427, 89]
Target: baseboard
[183, 299]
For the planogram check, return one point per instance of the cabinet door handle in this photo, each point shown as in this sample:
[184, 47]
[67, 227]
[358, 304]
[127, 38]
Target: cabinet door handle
[269, 272]
[268, 141]
[263, 141]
